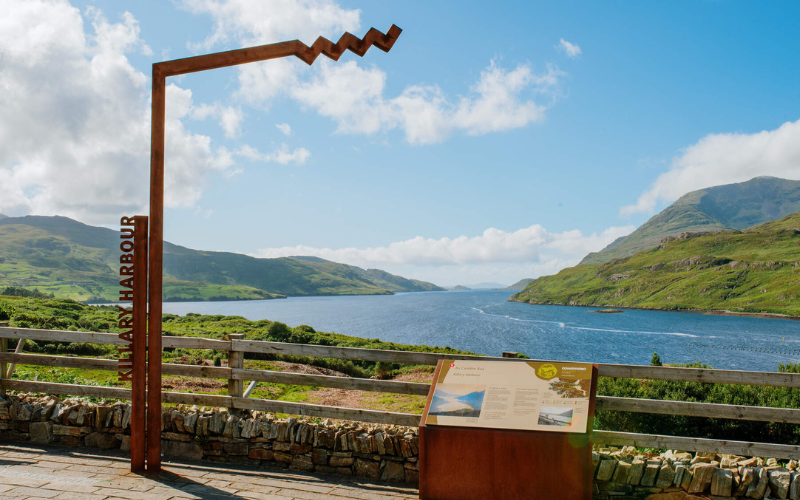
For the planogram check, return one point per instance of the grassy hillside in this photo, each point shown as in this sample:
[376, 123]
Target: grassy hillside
[73, 260]
[754, 271]
[733, 206]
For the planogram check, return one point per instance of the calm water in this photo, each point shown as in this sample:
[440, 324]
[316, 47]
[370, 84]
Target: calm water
[483, 322]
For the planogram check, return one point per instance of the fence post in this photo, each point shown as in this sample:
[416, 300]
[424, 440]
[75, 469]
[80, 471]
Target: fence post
[235, 360]
[3, 366]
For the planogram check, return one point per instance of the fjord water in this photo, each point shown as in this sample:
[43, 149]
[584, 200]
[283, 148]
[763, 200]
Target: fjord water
[484, 322]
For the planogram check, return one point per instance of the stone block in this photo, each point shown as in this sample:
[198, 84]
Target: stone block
[794, 487]
[367, 468]
[340, 461]
[636, 472]
[779, 482]
[261, 454]
[235, 448]
[280, 446]
[66, 430]
[621, 473]
[125, 442]
[174, 436]
[178, 449]
[665, 476]
[393, 471]
[319, 456]
[746, 475]
[759, 485]
[101, 440]
[722, 483]
[41, 432]
[282, 458]
[301, 462]
[688, 477]
[651, 473]
[680, 468]
[703, 473]
[297, 449]
[412, 476]
[101, 414]
[606, 470]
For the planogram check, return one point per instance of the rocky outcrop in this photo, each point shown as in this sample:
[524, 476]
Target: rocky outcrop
[215, 434]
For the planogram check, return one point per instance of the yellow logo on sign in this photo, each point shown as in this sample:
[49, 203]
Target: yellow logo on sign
[546, 371]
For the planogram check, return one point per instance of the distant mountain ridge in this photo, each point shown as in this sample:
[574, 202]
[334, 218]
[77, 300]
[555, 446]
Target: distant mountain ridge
[731, 206]
[754, 271]
[519, 285]
[72, 259]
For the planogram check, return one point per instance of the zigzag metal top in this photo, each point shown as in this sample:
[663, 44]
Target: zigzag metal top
[307, 54]
[350, 42]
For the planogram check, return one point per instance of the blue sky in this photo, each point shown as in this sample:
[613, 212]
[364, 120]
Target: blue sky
[494, 142]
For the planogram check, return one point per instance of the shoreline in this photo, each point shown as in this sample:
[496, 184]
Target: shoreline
[711, 312]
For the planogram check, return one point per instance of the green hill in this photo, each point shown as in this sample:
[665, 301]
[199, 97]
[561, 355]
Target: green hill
[70, 259]
[733, 206]
[751, 271]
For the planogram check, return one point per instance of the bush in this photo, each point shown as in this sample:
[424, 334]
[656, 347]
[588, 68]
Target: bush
[710, 428]
[279, 332]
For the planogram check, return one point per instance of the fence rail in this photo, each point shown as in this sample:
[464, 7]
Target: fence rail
[235, 374]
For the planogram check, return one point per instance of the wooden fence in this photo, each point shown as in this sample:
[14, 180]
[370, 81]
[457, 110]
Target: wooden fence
[236, 375]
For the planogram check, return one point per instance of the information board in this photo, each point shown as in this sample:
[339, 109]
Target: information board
[541, 396]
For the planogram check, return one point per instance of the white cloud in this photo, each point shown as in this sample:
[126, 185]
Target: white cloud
[284, 127]
[571, 49]
[724, 159]
[258, 23]
[354, 98]
[281, 155]
[230, 118]
[527, 252]
[75, 119]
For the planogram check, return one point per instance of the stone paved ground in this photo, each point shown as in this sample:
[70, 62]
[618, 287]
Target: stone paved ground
[32, 472]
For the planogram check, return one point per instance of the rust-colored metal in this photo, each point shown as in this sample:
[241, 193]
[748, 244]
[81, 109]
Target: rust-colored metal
[161, 71]
[156, 259]
[513, 464]
[138, 382]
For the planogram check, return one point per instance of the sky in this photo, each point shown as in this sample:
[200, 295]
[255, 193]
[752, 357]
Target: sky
[494, 142]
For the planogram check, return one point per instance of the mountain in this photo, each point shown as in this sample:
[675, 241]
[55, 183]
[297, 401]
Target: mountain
[519, 285]
[733, 206]
[491, 285]
[460, 287]
[71, 259]
[752, 271]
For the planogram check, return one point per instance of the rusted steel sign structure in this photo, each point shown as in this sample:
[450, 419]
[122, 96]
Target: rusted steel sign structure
[141, 253]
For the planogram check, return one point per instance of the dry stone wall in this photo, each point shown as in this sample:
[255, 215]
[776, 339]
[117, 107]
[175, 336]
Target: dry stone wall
[624, 474]
[351, 449]
[386, 452]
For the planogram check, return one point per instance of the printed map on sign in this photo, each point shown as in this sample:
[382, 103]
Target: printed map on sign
[512, 395]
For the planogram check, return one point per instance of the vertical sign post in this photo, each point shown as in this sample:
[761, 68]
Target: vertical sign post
[133, 322]
[161, 71]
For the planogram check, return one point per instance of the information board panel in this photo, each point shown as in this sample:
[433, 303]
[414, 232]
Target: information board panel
[523, 395]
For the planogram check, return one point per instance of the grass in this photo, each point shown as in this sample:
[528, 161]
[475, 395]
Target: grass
[752, 271]
[60, 314]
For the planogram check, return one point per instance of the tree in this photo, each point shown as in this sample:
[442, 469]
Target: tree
[655, 360]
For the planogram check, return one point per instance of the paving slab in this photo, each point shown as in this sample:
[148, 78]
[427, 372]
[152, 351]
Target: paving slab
[30, 472]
